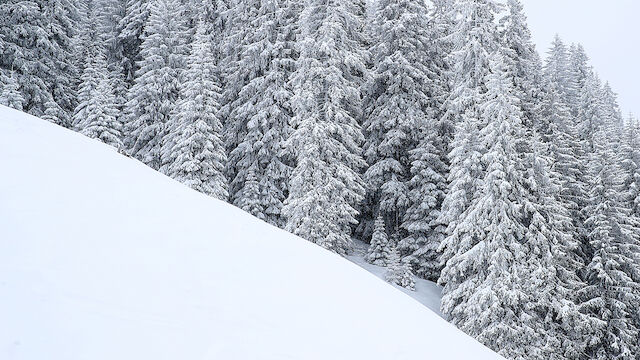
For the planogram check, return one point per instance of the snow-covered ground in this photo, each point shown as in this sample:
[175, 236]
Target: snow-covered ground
[426, 292]
[103, 258]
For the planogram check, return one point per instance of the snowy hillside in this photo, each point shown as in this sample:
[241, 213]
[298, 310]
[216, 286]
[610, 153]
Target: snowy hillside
[104, 258]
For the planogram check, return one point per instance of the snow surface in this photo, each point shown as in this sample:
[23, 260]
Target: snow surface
[104, 258]
[426, 292]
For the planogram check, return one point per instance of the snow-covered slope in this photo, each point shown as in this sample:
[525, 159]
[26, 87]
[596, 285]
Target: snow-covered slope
[103, 258]
[426, 292]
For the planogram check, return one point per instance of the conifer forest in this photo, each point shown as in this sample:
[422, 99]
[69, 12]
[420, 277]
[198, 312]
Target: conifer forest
[431, 130]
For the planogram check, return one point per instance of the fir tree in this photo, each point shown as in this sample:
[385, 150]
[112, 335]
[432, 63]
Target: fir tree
[52, 112]
[526, 63]
[421, 221]
[550, 232]
[113, 11]
[326, 186]
[35, 36]
[398, 272]
[152, 98]
[239, 20]
[630, 151]
[10, 95]
[263, 109]
[379, 250]
[486, 293]
[93, 65]
[130, 35]
[398, 103]
[62, 21]
[193, 151]
[566, 144]
[611, 294]
[473, 40]
[250, 200]
[95, 115]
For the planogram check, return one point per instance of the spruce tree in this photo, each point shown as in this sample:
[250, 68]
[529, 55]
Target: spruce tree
[429, 164]
[131, 34]
[95, 115]
[263, 110]
[578, 72]
[62, 26]
[398, 272]
[421, 221]
[111, 15]
[193, 151]
[630, 151]
[550, 228]
[153, 96]
[488, 292]
[567, 145]
[35, 36]
[379, 250]
[612, 294]
[474, 38]
[326, 185]
[526, 63]
[52, 112]
[251, 196]
[10, 95]
[92, 63]
[398, 103]
[239, 22]
[441, 26]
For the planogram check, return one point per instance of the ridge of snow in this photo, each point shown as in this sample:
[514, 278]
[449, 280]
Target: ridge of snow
[104, 258]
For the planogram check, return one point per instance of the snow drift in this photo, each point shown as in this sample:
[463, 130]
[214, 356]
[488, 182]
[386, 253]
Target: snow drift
[104, 258]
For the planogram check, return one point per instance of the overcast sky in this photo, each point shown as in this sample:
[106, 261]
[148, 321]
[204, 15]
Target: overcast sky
[608, 30]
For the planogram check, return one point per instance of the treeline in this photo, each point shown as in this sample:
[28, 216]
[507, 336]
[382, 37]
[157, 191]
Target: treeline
[433, 131]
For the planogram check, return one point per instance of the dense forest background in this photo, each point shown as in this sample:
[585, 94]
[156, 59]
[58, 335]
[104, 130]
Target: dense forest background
[432, 130]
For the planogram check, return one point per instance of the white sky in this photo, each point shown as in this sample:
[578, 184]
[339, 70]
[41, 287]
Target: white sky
[609, 31]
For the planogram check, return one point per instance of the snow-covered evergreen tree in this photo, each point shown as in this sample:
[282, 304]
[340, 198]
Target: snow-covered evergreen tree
[36, 48]
[250, 201]
[193, 152]
[566, 143]
[399, 103]
[262, 109]
[612, 294]
[379, 250]
[550, 232]
[591, 111]
[52, 112]
[421, 221]
[239, 21]
[326, 186]
[578, 71]
[95, 115]
[630, 151]
[399, 272]
[153, 96]
[474, 38]
[92, 63]
[487, 291]
[130, 35]
[62, 21]
[526, 63]
[103, 124]
[111, 14]
[10, 95]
